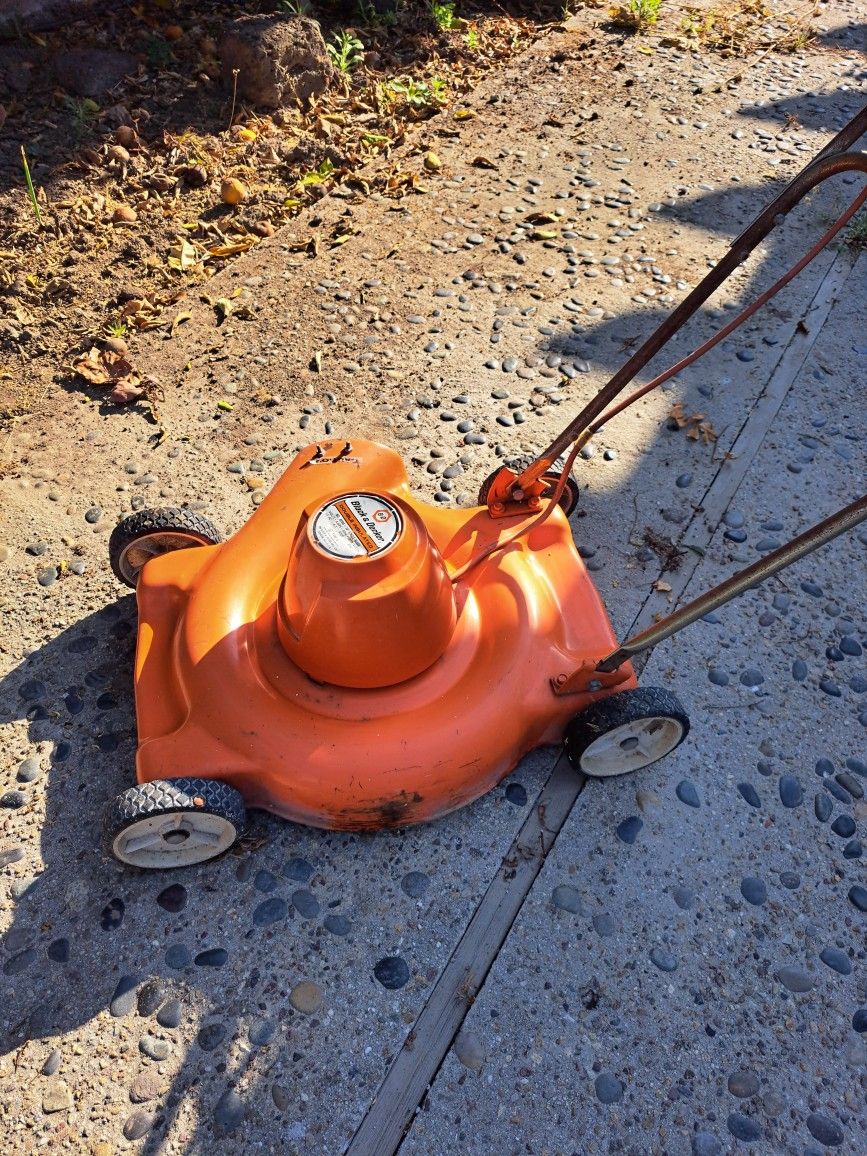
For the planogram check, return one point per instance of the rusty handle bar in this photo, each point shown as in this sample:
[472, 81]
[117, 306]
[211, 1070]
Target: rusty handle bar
[829, 162]
[805, 543]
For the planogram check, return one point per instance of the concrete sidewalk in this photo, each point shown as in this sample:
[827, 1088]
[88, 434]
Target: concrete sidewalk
[670, 963]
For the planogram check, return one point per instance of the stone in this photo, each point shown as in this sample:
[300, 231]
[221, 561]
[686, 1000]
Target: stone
[56, 1097]
[608, 1088]
[306, 997]
[749, 794]
[270, 911]
[154, 1048]
[822, 807]
[469, 1051]
[744, 1085]
[794, 978]
[392, 972]
[705, 1144]
[337, 924]
[280, 61]
[754, 890]
[211, 1035]
[124, 998]
[261, 1032]
[92, 72]
[663, 959]
[858, 896]
[844, 826]
[212, 957]
[229, 1111]
[52, 1063]
[147, 1085]
[415, 884]
[687, 793]
[743, 1128]
[837, 960]
[825, 1130]
[791, 791]
[169, 1015]
[173, 898]
[138, 1125]
[627, 831]
[516, 794]
[305, 903]
[29, 770]
[566, 898]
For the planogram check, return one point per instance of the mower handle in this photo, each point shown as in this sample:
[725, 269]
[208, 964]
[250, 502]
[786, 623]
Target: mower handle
[806, 543]
[829, 162]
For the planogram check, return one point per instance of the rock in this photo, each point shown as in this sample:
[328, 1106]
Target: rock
[298, 869]
[153, 1048]
[306, 997]
[138, 1125]
[29, 770]
[229, 1110]
[743, 1128]
[270, 911]
[173, 898]
[825, 1130]
[262, 1032]
[392, 972]
[791, 791]
[92, 71]
[837, 960]
[627, 831]
[754, 890]
[705, 1144]
[279, 61]
[169, 1015]
[147, 1085]
[795, 978]
[305, 903]
[608, 1088]
[858, 896]
[415, 884]
[212, 957]
[743, 1084]
[566, 898]
[124, 998]
[56, 1097]
[469, 1051]
[52, 1063]
[687, 793]
[209, 1036]
[663, 959]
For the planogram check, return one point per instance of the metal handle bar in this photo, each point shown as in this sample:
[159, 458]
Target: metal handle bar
[770, 564]
[829, 162]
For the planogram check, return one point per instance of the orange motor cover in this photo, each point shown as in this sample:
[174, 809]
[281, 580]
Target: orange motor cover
[367, 600]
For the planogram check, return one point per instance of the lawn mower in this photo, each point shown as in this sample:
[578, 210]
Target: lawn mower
[354, 658]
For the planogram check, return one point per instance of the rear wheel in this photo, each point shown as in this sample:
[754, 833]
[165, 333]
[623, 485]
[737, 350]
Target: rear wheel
[569, 497]
[173, 822]
[149, 533]
[626, 731]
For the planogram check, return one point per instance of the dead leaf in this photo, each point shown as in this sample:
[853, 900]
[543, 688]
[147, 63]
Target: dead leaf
[102, 366]
[484, 163]
[178, 321]
[662, 587]
[184, 256]
[222, 307]
[233, 248]
[126, 390]
[432, 162]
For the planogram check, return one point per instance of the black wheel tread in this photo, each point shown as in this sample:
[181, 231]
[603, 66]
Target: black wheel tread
[617, 709]
[161, 520]
[165, 796]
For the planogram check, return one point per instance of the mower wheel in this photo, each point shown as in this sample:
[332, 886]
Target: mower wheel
[173, 822]
[147, 533]
[569, 497]
[626, 731]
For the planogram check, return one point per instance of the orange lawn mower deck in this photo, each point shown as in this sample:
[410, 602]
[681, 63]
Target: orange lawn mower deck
[354, 658]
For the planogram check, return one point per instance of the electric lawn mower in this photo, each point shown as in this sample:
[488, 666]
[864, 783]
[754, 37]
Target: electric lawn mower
[355, 658]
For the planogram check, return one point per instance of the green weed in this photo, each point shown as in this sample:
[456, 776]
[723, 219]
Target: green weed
[346, 51]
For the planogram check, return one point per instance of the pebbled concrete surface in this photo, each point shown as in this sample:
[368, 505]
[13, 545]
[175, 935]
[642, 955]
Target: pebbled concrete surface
[227, 1050]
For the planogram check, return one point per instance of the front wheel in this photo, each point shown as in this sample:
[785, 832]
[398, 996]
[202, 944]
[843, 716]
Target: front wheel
[626, 732]
[149, 533]
[569, 497]
[174, 822]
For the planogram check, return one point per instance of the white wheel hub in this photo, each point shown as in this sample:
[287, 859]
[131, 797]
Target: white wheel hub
[175, 840]
[631, 746]
[149, 546]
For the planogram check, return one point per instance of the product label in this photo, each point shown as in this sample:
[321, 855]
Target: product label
[356, 526]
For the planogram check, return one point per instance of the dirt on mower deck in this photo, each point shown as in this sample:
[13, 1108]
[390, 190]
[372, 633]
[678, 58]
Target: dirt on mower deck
[675, 962]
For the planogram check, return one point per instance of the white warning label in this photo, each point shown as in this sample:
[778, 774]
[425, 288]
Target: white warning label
[356, 526]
